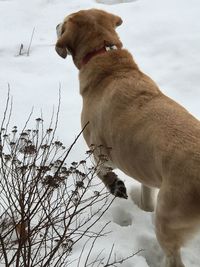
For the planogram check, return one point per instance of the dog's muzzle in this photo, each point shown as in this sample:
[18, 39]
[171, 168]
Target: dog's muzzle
[59, 30]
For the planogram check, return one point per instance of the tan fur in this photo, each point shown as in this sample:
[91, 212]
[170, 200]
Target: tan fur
[153, 139]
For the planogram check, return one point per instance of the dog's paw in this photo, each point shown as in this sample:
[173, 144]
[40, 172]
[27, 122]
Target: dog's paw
[172, 261]
[118, 189]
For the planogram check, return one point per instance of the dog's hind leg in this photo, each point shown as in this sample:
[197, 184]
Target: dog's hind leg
[112, 182]
[177, 218]
[148, 198]
[171, 240]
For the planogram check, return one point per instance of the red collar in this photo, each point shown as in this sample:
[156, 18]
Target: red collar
[102, 50]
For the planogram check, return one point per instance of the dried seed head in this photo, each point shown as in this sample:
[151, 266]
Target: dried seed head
[89, 152]
[12, 144]
[49, 130]
[39, 120]
[74, 163]
[97, 193]
[44, 168]
[7, 157]
[24, 134]
[52, 181]
[28, 150]
[80, 184]
[82, 162]
[58, 143]
[45, 147]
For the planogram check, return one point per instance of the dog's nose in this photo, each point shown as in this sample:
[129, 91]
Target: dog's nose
[59, 29]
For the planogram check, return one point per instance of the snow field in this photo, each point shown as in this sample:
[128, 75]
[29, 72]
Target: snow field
[164, 38]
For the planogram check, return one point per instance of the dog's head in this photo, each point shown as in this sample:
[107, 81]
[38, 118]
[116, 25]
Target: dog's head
[86, 31]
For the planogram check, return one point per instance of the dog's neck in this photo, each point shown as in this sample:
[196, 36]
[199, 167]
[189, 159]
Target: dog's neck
[118, 63]
[94, 53]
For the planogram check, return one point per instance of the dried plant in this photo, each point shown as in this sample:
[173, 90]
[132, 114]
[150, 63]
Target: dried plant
[23, 50]
[46, 205]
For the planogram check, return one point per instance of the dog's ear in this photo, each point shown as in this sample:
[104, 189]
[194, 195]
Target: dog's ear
[114, 19]
[62, 52]
[65, 33]
[118, 21]
[62, 45]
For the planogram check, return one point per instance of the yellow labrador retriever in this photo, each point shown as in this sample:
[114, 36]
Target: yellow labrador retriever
[153, 139]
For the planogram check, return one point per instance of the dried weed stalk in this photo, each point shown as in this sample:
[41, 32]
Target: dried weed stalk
[46, 205]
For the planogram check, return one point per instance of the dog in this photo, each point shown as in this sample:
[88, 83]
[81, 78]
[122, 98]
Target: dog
[153, 139]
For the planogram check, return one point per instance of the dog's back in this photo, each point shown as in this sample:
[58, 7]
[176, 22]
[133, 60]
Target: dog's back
[152, 138]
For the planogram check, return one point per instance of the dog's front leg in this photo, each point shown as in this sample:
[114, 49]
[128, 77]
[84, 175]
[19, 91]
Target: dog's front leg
[112, 182]
[148, 198]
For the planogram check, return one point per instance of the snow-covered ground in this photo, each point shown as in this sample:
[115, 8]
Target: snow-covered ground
[163, 36]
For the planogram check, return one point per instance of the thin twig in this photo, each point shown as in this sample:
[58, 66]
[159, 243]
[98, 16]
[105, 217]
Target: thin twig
[31, 40]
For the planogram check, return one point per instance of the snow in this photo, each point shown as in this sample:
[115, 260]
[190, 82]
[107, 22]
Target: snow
[111, 2]
[164, 38]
